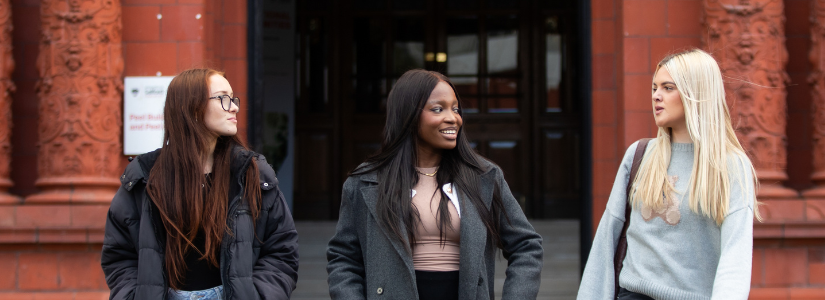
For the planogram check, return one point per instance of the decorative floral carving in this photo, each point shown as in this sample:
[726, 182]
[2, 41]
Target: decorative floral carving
[81, 68]
[6, 86]
[817, 81]
[747, 38]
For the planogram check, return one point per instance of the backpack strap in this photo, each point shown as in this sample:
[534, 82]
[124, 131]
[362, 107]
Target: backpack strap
[621, 246]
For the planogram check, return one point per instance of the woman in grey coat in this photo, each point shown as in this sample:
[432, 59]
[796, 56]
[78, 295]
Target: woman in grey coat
[424, 217]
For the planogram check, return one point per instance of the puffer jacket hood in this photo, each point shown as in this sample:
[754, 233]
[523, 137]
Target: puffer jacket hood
[257, 262]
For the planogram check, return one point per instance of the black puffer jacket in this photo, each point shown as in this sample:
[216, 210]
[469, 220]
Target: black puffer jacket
[251, 268]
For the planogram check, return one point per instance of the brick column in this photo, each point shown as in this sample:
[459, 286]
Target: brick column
[81, 67]
[6, 85]
[817, 81]
[747, 37]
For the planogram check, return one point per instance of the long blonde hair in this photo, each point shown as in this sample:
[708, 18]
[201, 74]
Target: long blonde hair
[699, 82]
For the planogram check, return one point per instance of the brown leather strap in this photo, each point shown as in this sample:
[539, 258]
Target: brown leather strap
[621, 246]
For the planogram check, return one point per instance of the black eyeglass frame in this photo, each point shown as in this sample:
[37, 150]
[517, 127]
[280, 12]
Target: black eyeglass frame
[235, 100]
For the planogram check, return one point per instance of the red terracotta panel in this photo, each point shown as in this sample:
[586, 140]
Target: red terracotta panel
[604, 72]
[604, 107]
[191, 55]
[604, 142]
[81, 271]
[26, 20]
[234, 12]
[16, 296]
[91, 296]
[89, 215]
[653, 20]
[816, 273]
[785, 267]
[800, 293]
[141, 24]
[637, 93]
[757, 267]
[637, 55]
[815, 210]
[798, 21]
[8, 277]
[146, 59]
[145, 2]
[661, 47]
[602, 9]
[7, 216]
[233, 44]
[43, 216]
[180, 23]
[798, 48]
[684, 17]
[604, 174]
[638, 125]
[37, 271]
[783, 210]
[604, 36]
[768, 294]
[61, 236]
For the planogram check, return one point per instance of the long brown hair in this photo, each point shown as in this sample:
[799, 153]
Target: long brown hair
[186, 201]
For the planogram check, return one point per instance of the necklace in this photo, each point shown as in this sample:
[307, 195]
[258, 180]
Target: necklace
[425, 174]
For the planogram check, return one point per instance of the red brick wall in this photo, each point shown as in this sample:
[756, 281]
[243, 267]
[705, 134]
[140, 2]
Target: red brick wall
[53, 251]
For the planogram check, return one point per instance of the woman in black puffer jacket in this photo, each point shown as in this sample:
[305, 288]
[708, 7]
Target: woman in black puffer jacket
[203, 215]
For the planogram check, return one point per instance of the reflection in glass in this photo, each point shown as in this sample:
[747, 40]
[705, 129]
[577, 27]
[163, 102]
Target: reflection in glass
[502, 105]
[368, 64]
[408, 47]
[502, 44]
[469, 105]
[315, 75]
[553, 65]
[502, 86]
[462, 46]
[465, 85]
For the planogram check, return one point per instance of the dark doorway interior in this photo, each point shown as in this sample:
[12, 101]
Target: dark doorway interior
[516, 67]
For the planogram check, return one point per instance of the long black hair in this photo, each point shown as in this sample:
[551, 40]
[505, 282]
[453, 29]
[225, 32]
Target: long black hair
[397, 158]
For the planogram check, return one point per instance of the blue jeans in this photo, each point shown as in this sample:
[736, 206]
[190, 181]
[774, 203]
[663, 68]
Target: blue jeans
[215, 293]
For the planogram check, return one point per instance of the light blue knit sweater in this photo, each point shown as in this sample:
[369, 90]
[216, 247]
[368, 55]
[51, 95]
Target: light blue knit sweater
[675, 253]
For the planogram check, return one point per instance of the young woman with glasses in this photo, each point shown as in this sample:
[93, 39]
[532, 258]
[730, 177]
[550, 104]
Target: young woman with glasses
[201, 217]
[693, 198]
[425, 216]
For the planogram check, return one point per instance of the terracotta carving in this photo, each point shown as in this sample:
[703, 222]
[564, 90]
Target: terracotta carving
[747, 38]
[817, 81]
[80, 87]
[6, 86]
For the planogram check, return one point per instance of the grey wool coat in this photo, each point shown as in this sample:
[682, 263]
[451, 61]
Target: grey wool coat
[365, 263]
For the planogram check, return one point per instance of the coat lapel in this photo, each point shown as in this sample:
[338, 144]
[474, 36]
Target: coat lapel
[370, 195]
[473, 240]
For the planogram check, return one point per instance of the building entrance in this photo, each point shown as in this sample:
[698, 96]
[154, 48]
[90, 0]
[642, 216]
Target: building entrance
[514, 64]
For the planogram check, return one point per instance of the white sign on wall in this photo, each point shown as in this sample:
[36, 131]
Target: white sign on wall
[143, 99]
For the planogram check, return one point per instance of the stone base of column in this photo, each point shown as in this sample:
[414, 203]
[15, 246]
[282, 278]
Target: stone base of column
[770, 186]
[5, 197]
[74, 190]
[819, 190]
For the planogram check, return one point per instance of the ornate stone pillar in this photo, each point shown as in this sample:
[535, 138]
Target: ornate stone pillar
[817, 80]
[80, 89]
[747, 38]
[6, 86]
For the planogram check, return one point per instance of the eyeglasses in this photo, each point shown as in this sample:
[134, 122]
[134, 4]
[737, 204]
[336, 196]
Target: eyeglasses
[225, 101]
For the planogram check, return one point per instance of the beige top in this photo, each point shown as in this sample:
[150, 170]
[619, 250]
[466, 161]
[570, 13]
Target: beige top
[428, 253]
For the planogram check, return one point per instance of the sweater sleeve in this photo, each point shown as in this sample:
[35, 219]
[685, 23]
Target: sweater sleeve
[733, 274]
[598, 278]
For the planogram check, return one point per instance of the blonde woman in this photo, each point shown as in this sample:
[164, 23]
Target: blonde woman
[693, 198]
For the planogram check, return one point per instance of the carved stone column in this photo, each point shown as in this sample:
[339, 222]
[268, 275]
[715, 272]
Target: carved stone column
[6, 86]
[817, 80]
[80, 89]
[747, 38]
